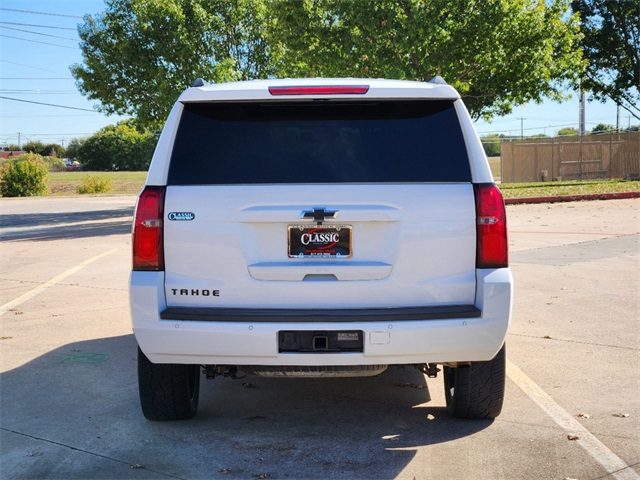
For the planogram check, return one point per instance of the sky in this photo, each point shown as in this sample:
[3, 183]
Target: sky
[39, 42]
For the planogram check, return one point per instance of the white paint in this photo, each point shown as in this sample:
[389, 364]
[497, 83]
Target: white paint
[613, 464]
[41, 288]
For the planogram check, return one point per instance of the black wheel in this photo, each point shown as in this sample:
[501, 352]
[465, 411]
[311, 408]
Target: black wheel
[476, 391]
[168, 391]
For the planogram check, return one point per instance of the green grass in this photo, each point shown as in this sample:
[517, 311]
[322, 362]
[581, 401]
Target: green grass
[529, 190]
[494, 164]
[549, 189]
[124, 183]
[130, 183]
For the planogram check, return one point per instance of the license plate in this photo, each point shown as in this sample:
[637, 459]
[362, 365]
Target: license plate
[319, 241]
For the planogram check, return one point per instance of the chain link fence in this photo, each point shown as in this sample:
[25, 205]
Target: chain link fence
[602, 156]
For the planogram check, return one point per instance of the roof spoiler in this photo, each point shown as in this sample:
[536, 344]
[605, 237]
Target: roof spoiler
[199, 83]
[438, 80]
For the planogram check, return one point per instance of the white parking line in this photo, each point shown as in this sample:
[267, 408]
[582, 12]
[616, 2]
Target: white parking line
[613, 464]
[41, 288]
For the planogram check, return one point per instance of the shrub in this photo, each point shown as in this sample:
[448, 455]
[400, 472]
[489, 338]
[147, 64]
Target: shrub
[24, 178]
[95, 185]
[52, 164]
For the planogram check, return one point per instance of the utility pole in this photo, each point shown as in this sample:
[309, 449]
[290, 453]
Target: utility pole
[581, 130]
[19, 144]
[522, 119]
[617, 118]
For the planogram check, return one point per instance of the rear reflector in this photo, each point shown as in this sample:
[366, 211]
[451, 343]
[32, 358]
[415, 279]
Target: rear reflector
[148, 249]
[492, 244]
[321, 90]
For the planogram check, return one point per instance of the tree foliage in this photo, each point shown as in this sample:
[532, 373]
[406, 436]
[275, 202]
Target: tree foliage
[495, 53]
[117, 147]
[491, 145]
[568, 132]
[72, 148]
[603, 128]
[33, 147]
[140, 55]
[46, 150]
[611, 44]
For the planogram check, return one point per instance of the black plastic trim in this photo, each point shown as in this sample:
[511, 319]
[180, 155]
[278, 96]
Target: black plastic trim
[319, 315]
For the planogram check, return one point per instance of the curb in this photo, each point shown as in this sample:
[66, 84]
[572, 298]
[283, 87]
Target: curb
[572, 198]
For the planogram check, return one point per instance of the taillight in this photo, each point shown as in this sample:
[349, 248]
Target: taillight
[148, 249]
[321, 90]
[492, 245]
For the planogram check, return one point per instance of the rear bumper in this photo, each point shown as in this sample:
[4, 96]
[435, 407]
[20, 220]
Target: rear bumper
[393, 336]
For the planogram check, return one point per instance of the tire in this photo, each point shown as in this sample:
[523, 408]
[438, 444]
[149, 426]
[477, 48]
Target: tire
[168, 391]
[476, 391]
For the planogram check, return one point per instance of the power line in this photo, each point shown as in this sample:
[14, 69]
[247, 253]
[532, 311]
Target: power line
[39, 26]
[36, 78]
[36, 41]
[515, 129]
[45, 116]
[54, 134]
[38, 33]
[37, 90]
[39, 13]
[18, 92]
[48, 104]
[12, 92]
[28, 66]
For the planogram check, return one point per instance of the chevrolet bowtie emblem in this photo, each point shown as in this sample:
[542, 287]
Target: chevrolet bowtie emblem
[319, 215]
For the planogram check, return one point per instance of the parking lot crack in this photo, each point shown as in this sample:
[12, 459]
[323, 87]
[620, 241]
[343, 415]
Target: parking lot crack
[622, 470]
[106, 457]
[574, 341]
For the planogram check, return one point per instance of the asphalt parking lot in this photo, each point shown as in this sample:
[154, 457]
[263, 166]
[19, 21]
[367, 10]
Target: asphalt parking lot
[68, 392]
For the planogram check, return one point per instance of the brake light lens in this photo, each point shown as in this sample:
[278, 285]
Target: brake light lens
[147, 241]
[321, 90]
[492, 244]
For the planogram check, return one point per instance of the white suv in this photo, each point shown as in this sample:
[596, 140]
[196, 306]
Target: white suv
[319, 227]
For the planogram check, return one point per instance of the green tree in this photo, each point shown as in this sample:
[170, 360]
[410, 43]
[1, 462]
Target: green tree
[611, 44]
[567, 132]
[603, 128]
[54, 150]
[117, 147]
[496, 53]
[72, 148]
[140, 55]
[33, 147]
[491, 144]
[48, 150]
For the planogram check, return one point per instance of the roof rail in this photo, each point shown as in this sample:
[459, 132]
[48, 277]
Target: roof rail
[199, 83]
[438, 80]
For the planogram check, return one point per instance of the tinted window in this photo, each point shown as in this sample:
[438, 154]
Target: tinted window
[319, 142]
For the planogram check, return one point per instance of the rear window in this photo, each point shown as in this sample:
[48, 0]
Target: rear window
[319, 142]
